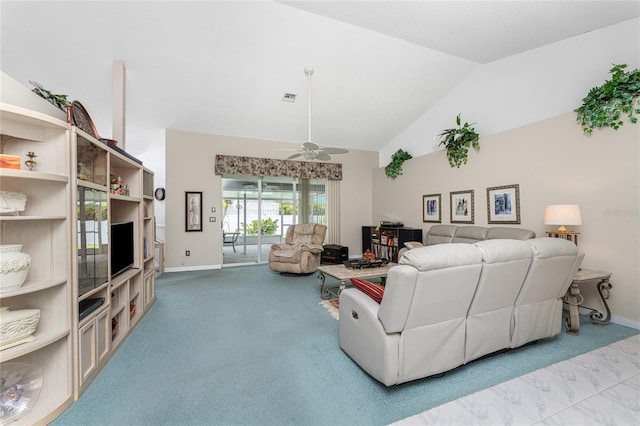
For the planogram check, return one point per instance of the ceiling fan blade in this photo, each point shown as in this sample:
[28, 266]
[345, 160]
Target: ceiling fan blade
[334, 150]
[310, 145]
[293, 156]
[323, 157]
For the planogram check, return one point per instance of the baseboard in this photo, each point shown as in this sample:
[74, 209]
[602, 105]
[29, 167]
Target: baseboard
[192, 268]
[615, 319]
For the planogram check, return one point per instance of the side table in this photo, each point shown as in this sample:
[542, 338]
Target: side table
[573, 298]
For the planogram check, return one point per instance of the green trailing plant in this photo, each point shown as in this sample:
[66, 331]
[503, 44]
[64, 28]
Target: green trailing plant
[604, 105]
[457, 142]
[59, 101]
[394, 168]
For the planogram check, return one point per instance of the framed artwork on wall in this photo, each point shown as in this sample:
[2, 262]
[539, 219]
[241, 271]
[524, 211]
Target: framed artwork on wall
[503, 204]
[461, 207]
[193, 211]
[431, 208]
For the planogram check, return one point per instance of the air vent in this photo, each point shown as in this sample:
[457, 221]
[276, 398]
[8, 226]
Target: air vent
[289, 97]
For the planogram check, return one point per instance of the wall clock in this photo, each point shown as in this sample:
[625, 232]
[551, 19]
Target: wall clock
[160, 193]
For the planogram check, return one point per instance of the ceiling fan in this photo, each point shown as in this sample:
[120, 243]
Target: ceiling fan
[310, 150]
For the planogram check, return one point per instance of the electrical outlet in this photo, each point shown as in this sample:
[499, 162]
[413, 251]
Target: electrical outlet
[187, 253]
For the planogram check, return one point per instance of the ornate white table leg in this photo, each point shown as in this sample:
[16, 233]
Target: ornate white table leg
[573, 298]
[324, 293]
[596, 316]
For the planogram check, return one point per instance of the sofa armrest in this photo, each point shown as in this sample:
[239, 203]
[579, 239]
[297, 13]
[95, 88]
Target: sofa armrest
[363, 338]
[313, 248]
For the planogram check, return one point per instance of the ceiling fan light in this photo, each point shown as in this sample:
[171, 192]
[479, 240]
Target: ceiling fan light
[310, 155]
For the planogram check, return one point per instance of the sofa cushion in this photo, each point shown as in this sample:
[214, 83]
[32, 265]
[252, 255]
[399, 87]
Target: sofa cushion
[470, 234]
[373, 290]
[498, 232]
[440, 234]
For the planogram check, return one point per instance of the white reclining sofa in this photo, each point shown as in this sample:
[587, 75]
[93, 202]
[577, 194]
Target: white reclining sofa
[447, 304]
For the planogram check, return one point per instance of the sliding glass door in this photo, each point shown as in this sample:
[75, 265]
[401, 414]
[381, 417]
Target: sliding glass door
[258, 210]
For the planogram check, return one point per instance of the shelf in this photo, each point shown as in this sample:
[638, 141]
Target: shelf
[124, 198]
[41, 340]
[25, 218]
[87, 184]
[32, 287]
[31, 118]
[93, 292]
[35, 175]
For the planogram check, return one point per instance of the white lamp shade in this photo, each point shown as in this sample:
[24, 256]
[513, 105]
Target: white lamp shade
[562, 214]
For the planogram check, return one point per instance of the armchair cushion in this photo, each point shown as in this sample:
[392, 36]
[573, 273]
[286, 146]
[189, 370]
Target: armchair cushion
[373, 290]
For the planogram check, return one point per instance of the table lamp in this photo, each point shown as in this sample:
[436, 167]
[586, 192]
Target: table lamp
[562, 214]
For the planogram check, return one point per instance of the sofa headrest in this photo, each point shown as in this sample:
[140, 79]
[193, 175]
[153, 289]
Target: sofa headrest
[549, 247]
[470, 234]
[440, 234]
[441, 256]
[511, 233]
[497, 251]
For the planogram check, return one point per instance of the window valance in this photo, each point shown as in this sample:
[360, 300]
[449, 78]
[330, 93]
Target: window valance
[252, 166]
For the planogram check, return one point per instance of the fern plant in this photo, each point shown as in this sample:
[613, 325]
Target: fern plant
[457, 142]
[605, 105]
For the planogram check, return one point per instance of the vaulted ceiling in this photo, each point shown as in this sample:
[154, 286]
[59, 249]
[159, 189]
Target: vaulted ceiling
[222, 67]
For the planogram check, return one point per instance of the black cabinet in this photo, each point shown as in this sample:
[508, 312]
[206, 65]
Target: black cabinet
[385, 242]
[334, 254]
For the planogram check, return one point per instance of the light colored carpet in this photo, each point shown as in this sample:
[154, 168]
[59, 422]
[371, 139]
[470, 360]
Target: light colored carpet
[247, 346]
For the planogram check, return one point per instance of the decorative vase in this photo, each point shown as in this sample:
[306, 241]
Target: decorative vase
[17, 327]
[14, 266]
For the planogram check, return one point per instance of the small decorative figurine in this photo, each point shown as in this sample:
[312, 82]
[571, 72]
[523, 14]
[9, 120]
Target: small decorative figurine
[82, 171]
[31, 163]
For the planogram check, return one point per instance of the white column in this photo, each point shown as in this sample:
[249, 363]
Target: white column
[119, 102]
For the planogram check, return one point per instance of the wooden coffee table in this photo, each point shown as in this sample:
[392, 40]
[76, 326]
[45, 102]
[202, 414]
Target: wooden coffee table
[344, 274]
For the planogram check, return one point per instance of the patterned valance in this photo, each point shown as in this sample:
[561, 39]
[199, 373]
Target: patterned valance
[252, 166]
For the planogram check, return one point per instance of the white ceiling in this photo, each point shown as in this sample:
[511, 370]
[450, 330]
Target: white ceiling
[221, 67]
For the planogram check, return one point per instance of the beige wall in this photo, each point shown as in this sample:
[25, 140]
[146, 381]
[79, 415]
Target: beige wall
[190, 159]
[554, 163]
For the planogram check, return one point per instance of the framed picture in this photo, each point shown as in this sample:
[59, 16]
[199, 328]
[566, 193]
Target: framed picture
[193, 211]
[503, 204]
[431, 208]
[461, 207]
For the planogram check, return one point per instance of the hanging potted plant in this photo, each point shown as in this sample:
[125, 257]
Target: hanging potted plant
[457, 142]
[604, 105]
[394, 168]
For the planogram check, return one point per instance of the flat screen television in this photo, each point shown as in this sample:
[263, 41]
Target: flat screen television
[121, 247]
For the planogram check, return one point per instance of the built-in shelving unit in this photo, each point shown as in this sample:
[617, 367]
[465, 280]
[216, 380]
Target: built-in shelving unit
[112, 183]
[43, 229]
[79, 189]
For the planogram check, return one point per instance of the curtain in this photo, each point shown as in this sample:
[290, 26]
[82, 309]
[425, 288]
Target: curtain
[252, 166]
[333, 212]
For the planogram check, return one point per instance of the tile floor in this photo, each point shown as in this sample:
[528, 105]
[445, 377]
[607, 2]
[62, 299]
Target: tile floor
[601, 387]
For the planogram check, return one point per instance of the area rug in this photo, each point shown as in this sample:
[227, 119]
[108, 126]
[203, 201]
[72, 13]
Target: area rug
[332, 306]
